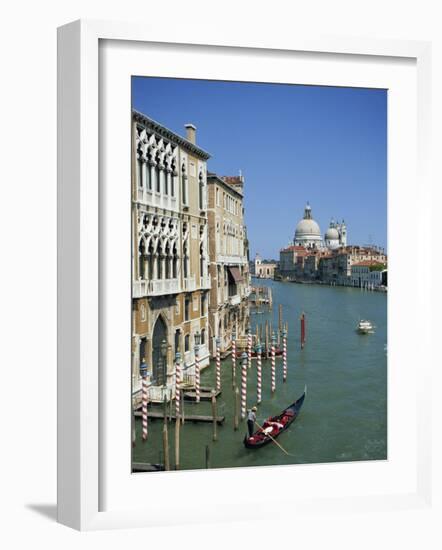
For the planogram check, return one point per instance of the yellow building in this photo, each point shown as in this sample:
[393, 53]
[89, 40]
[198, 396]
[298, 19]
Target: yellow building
[229, 262]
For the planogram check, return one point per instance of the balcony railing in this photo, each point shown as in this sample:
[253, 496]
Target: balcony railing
[165, 286]
[189, 284]
[205, 281]
[231, 259]
[140, 288]
[155, 288]
[145, 196]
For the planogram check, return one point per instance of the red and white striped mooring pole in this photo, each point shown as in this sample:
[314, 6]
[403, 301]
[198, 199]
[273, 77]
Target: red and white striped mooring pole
[177, 383]
[284, 355]
[244, 385]
[197, 374]
[249, 346]
[273, 363]
[258, 372]
[144, 396]
[233, 359]
[218, 364]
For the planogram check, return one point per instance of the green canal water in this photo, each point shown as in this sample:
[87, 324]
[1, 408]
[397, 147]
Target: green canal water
[344, 417]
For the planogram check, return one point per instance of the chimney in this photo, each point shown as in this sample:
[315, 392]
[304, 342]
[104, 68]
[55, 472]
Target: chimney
[190, 133]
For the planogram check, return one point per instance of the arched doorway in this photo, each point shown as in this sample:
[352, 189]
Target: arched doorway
[158, 364]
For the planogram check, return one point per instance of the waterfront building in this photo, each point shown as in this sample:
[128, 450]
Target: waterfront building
[229, 260]
[288, 260]
[170, 259]
[336, 267]
[368, 273]
[264, 269]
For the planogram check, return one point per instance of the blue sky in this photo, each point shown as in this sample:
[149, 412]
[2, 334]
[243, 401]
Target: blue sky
[294, 144]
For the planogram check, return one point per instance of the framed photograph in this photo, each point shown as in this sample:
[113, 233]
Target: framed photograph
[234, 237]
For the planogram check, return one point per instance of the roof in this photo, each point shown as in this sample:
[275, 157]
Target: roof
[293, 248]
[214, 178]
[233, 180]
[367, 263]
[169, 134]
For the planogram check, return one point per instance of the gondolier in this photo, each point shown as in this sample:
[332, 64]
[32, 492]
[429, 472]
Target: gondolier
[274, 426]
[251, 419]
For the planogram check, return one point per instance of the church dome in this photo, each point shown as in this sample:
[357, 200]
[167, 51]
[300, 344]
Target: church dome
[332, 234]
[307, 228]
[307, 232]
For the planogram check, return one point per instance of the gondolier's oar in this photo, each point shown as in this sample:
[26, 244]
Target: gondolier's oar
[274, 440]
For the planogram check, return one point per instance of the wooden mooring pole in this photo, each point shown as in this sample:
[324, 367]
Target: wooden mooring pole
[302, 330]
[182, 406]
[170, 407]
[177, 443]
[279, 324]
[214, 414]
[267, 339]
[165, 437]
[207, 456]
[236, 408]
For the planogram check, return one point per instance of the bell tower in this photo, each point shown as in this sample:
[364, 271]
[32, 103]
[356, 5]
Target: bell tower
[342, 234]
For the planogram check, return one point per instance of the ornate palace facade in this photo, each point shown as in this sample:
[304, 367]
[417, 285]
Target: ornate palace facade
[170, 259]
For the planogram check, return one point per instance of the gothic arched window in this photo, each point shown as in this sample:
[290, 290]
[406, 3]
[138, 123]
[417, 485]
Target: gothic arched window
[157, 175]
[184, 183]
[140, 168]
[166, 178]
[141, 259]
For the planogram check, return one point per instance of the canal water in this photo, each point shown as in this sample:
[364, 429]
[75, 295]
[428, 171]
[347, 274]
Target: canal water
[344, 416]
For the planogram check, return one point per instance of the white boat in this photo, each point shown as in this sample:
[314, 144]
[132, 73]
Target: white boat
[365, 327]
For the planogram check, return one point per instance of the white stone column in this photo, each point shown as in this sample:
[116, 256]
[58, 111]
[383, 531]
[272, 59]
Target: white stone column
[161, 178]
[143, 175]
[169, 260]
[152, 176]
[155, 266]
[163, 266]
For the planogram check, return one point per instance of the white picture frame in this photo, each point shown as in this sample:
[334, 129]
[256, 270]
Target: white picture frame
[81, 396]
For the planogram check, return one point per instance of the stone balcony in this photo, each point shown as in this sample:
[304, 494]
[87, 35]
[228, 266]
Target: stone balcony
[234, 300]
[205, 282]
[151, 198]
[189, 284]
[231, 259]
[158, 287]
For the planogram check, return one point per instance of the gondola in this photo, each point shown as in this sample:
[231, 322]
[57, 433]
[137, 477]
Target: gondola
[275, 425]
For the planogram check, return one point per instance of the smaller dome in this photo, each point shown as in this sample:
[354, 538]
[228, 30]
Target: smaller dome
[332, 234]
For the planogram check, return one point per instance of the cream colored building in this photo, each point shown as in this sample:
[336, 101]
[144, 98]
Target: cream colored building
[229, 261]
[264, 269]
[170, 259]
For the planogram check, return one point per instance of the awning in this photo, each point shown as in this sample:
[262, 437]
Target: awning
[235, 273]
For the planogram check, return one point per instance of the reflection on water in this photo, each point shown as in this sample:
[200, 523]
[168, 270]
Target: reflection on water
[344, 416]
